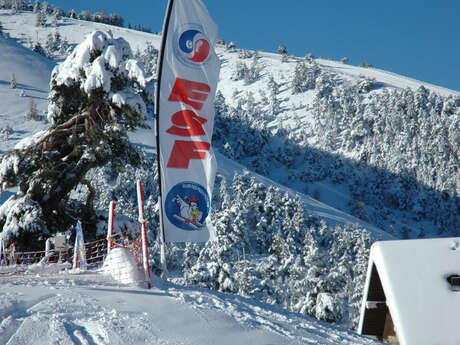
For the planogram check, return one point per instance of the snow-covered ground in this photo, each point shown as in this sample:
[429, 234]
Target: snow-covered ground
[91, 309]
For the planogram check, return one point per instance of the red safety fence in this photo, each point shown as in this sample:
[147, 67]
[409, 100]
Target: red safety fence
[96, 252]
[124, 265]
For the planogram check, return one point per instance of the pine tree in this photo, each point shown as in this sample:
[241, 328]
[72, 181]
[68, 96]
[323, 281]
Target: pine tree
[224, 195]
[45, 8]
[89, 125]
[54, 20]
[5, 4]
[40, 19]
[13, 83]
[36, 6]
[282, 50]
[37, 48]
[17, 5]
[32, 110]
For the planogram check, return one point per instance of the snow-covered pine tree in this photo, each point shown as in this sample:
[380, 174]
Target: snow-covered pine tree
[224, 195]
[5, 4]
[231, 46]
[36, 6]
[37, 48]
[13, 82]
[45, 7]
[240, 72]
[18, 5]
[84, 15]
[54, 19]
[40, 19]
[305, 76]
[97, 94]
[53, 44]
[32, 110]
[273, 90]
[282, 50]
[148, 57]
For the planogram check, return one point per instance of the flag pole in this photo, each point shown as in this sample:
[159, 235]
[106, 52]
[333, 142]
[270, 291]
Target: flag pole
[157, 126]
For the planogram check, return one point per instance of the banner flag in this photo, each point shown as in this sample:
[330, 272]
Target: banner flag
[187, 80]
[79, 254]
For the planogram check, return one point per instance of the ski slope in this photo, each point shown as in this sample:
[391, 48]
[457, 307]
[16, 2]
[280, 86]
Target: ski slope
[32, 73]
[90, 309]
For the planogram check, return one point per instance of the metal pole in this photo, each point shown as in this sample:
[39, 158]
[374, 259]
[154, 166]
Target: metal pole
[157, 119]
[145, 248]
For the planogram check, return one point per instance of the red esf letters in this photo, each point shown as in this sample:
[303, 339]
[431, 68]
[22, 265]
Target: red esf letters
[187, 123]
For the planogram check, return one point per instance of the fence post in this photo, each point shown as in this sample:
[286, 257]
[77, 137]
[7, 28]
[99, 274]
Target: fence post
[110, 227]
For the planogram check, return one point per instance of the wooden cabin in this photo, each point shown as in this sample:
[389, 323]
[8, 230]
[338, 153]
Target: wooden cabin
[412, 292]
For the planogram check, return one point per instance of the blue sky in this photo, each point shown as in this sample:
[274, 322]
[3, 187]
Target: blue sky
[419, 39]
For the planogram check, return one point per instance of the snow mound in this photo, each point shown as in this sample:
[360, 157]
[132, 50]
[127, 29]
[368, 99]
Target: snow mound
[121, 265]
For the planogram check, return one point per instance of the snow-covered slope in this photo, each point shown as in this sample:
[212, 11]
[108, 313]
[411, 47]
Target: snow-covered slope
[89, 309]
[19, 27]
[295, 110]
[32, 73]
[22, 28]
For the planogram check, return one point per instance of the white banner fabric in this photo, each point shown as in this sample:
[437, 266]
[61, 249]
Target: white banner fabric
[188, 76]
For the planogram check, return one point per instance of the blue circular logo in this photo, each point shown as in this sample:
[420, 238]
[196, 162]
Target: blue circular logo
[187, 206]
[193, 47]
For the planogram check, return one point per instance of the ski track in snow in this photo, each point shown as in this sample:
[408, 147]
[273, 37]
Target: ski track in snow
[256, 315]
[91, 309]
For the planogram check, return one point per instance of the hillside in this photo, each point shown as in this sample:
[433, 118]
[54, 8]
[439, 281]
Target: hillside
[32, 73]
[294, 114]
[19, 27]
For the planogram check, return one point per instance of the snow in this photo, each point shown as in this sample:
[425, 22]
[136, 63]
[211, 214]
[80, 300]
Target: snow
[30, 140]
[22, 214]
[32, 73]
[386, 78]
[113, 50]
[134, 71]
[414, 275]
[90, 308]
[121, 265]
[98, 77]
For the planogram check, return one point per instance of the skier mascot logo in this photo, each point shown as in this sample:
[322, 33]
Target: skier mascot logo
[187, 206]
[194, 47]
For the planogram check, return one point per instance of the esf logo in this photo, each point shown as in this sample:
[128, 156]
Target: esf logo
[193, 47]
[187, 206]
